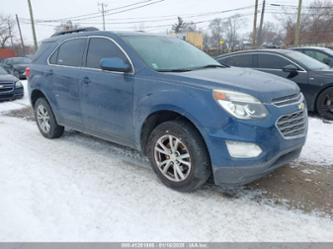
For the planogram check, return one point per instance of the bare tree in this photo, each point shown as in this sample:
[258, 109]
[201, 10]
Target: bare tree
[231, 31]
[316, 23]
[271, 35]
[216, 29]
[6, 30]
[181, 26]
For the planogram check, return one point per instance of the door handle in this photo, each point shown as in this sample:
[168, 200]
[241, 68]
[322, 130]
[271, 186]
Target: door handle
[86, 80]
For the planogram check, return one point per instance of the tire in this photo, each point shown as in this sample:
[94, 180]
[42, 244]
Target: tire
[46, 121]
[186, 168]
[324, 104]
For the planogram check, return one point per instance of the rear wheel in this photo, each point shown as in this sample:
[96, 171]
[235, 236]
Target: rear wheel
[179, 156]
[325, 104]
[46, 121]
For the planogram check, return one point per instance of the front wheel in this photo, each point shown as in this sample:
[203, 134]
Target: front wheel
[46, 121]
[325, 104]
[179, 156]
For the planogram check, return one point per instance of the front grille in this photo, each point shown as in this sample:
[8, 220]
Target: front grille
[288, 100]
[6, 87]
[292, 125]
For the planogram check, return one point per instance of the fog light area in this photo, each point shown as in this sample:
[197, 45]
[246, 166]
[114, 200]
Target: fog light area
[243, 150]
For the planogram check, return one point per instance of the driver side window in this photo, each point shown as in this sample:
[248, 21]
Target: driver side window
[102, 48]
[270, 61]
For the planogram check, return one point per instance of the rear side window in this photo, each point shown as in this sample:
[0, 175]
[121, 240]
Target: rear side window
[102, 48]
[70, 53]
[245, 60]
[43, 51]
[271, 61]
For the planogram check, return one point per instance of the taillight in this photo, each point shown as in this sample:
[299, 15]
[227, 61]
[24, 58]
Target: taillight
[27, 72]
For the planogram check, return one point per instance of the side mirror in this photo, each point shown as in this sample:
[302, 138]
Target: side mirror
[115, 64]
[327, 61]
[290, 69]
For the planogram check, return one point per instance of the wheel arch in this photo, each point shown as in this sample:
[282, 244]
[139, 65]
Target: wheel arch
[36, 94]
[158, 117]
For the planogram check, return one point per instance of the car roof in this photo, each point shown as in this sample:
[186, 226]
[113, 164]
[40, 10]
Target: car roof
[66, 36]
[277, 51]
[313, 47]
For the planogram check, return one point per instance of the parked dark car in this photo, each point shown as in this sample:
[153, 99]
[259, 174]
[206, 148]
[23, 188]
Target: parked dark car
[16, 66]
[10, 86]
[190, 115]
[313, 77]
[324, 55]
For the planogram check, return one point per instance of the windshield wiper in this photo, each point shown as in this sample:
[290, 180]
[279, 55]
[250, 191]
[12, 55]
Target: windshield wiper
[209, 66]
[180, 70]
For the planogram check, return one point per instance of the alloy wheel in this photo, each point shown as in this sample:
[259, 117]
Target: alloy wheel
[172, 158]
[43, 119]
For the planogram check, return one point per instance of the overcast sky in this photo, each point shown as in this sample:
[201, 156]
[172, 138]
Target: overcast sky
[55, 9]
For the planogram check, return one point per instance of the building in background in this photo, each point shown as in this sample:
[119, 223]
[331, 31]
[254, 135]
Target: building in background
[195, 38]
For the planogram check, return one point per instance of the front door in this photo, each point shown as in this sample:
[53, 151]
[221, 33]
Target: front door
[107, 97]
[274, 64]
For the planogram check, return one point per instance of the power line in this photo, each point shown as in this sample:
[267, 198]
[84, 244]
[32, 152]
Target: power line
[107, 12]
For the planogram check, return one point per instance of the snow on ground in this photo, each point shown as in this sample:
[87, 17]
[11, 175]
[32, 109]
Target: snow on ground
[318, 149]
[79, 188]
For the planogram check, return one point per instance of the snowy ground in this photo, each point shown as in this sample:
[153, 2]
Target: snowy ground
[79, 188]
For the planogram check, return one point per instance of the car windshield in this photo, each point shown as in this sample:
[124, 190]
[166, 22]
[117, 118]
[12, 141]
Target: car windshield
[176, 55]
[2, 71]
[20, 60]
[328, 51]
[307, 61]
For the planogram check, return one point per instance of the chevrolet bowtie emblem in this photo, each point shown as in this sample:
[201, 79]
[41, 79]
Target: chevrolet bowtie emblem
[301, 106]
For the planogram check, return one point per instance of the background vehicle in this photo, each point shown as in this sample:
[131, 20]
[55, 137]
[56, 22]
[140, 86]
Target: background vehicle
[313, 77]
[324, 55]
[16, 66]
[10, 87]
[190, 115]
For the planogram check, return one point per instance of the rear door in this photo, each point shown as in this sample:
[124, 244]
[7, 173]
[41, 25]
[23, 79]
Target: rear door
[107, 97]
[65, 71]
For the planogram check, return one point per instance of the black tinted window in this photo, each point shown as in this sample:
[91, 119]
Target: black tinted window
[70, 53]
[102, 48]
[245, 60]
[272, 61]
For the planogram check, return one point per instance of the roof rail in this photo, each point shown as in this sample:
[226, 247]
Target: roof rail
[75, 31]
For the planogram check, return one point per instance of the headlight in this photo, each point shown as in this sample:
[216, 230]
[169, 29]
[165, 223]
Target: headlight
[240, 105]
[18, 84]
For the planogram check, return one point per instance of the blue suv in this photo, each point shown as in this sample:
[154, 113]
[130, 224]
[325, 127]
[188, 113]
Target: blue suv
[191, 116]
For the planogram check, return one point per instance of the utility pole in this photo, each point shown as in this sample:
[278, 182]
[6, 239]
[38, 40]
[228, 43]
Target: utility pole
[254, 33]
[21, 37]
[10, 33]
[33, 25]
[103, 13]
[298, 24]
[260, 38]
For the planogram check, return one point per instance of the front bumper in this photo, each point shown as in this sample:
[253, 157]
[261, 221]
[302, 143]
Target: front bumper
[17, 93]
[276, 149]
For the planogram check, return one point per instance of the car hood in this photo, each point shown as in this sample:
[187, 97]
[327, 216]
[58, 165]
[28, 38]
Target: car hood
[5, 78]
[263, 86]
